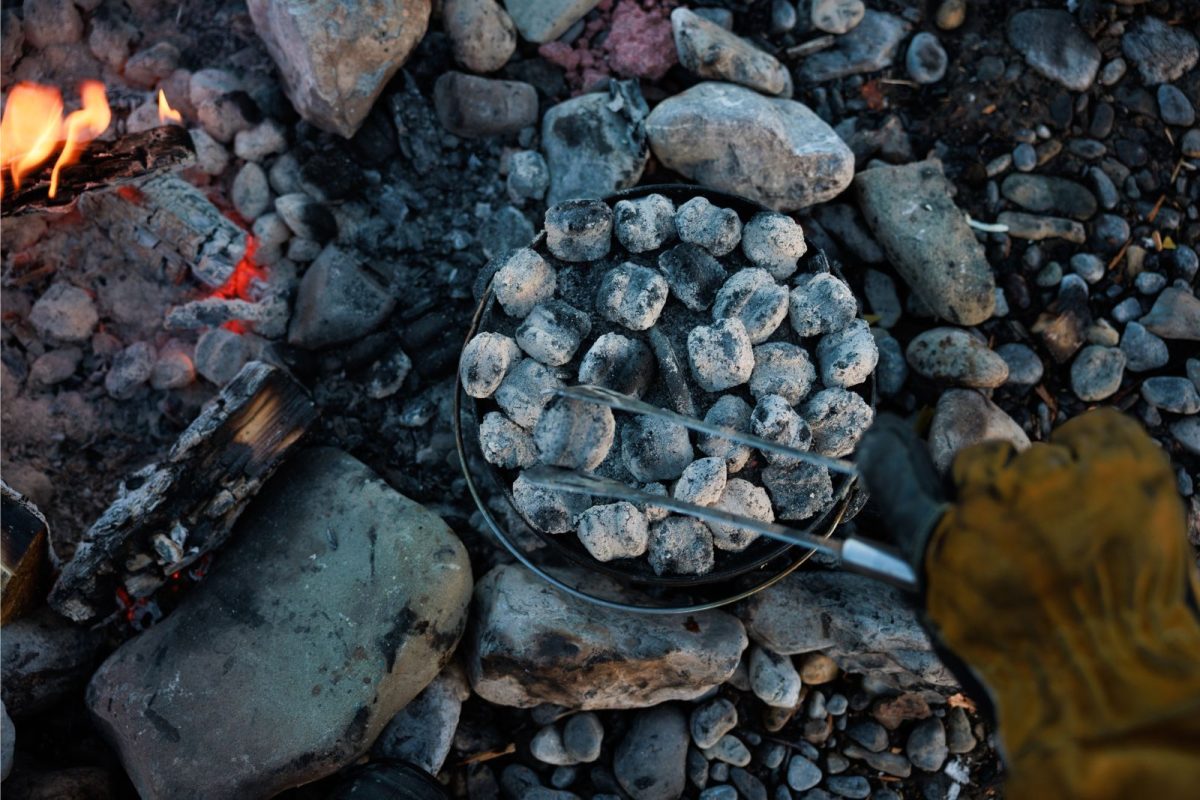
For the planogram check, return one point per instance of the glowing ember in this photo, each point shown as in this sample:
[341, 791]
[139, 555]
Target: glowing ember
[240, 283]
[166, 114]
[33, 127]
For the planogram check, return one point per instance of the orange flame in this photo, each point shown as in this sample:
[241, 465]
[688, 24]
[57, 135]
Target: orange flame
[33, 127]
[166, 114]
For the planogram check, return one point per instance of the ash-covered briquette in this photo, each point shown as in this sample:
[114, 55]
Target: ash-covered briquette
[646, 223]
[717, 230]
[671, 371]
[523, 280]
[525, 391]
[821, 303]
[775, 420]
[799, 491]
[838, 419]
[753, 296]
[653, 449]
[654, 513]
[720, 355]
[485, 361]
[632, 296]
[681, 546]
[774, 242]
[614, 530]
[619, 363]
[693, 275]
[553, 331]
[574, 434]
[505, 443]
[702, 482]
[579, 230]
[549, 510]
[784, 369]
[734, 413]
[848, 356]
[746, 500]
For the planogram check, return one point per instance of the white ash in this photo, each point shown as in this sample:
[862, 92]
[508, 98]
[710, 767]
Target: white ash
[653, 449]
[574, 434]
[523, 280]
[799, 491]
[505, 443]
[579, 230]
[746, 500]
[703, 482]
[753, 296]
[549, 510]
[848, 356]
[211, 156]
[774, 242]
[838, 418]
[717, 230]
[654, 513]
[775, 420]
[646, 223]
[619, 363]
[632, 296]
[734, 413]
[821, 303]
[284, 175]
[614, 530]
[720, 355]
[486, 360]
[553, 331]
[526, 391]
[693, 275]
[681, 546]
[783, 369]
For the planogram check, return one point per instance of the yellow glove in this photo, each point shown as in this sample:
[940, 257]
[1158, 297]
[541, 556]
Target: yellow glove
[1063, 579]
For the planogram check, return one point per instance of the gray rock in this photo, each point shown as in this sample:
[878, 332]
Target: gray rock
[773, 678]
[681, 546]
[774, 242]
[709, 51]
[644, 223]
[892, 370]
[869, 47]
[803, 774]
[553, 331]
[1170, 393]
[729, 750]
[1189, 145]
[848, 356]
[472, 106]
[575, 434]
[787, 157]
[583, 735]
[1150, 283]
[1161, 52]
[1174, 106]
[693, 275]
[1187, 432]
[211, 155]
[1089, 267]
[747, 785]
[730, 412]
[926, 747]
[1175, 315]
[913, 217]
[1143, 350]
[1024, 157]
[753, 297]
[546, 509]
[614, 530]
[618, 363]
[721, 792]
[528, 176]
[838, 418]
[333, 73]
[650, 763]
[579, 230]
[926, 59]
[821, 303]
[531, 644]
[423, 732]
[55, 366]
[842, 221]
[325, 541]
[220, 355]
[855, 787]
[1024, 366]
[482, 34]
[65, 313]
[547, 746]
[8, 741]
[1054, 45]
[955, 356]
[595, 144]
[836, 16]
[882, 298]
[717, 230]
[959, 738]
[485, 362]
[720, 354]
[864, 625]
[783, 369]
[338, 301]
[964, 417]
[1047, 193]
[543, 20]
[1096, 372]
[130, 369]
[711, 721]
[869, 734]
[523, 280]
[44, 659]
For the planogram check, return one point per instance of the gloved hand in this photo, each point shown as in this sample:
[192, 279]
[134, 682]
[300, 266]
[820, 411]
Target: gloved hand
[1061, 577]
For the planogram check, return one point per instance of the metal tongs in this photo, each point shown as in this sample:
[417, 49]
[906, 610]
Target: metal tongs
[857, 555]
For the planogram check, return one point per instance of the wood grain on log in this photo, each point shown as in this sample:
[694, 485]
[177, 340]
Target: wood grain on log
[24, 565]
[169, 515]
[102, 165]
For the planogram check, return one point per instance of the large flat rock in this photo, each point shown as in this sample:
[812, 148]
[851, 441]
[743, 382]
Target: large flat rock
[532, 644]
[338, 600]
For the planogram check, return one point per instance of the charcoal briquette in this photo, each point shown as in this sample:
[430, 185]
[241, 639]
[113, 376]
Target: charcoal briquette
[848, 356]
[525, 391]
[775, 420]
[730, 412]
[505, 443]
[717, 230]
[753, 296]
[574, 434]
[746, 500]
[800, 491]
[681, 546]
[549, 510]
[632, 295]
[720, 355]
[783, 369]
[693, 275]
[821, 303]
[838, 418]
[645, 223]
[579, 230]
[619, 363]
[553, 331]
[486, 359]
[523, 280]
[774, 242]
[613, 530]
[653, 449]
[702, 482]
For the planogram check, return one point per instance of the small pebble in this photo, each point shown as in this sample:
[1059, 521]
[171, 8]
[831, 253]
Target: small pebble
[926, 747]
[645, 223]
[774, 242]
[1150, 283]
[1127, 310]
[1143, 350]
[712, 720]
[1170, 393]
[579, 230]
[1174, 106]
[1096, 373]
[803, 774]
[1089, 267]
[547, 746]
[1024, 157]
[528, 176]
[926, 60]
[1024, 366]
[717, 230]
[773, 678]
[855, 787]
[729, 750]
[959, 738]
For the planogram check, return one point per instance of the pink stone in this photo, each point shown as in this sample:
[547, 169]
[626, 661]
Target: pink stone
[640, 43]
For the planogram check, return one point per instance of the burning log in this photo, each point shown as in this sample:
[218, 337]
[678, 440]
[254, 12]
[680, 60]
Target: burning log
[169, 219]
[170, 515]
[24, 570]
[129, 159]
